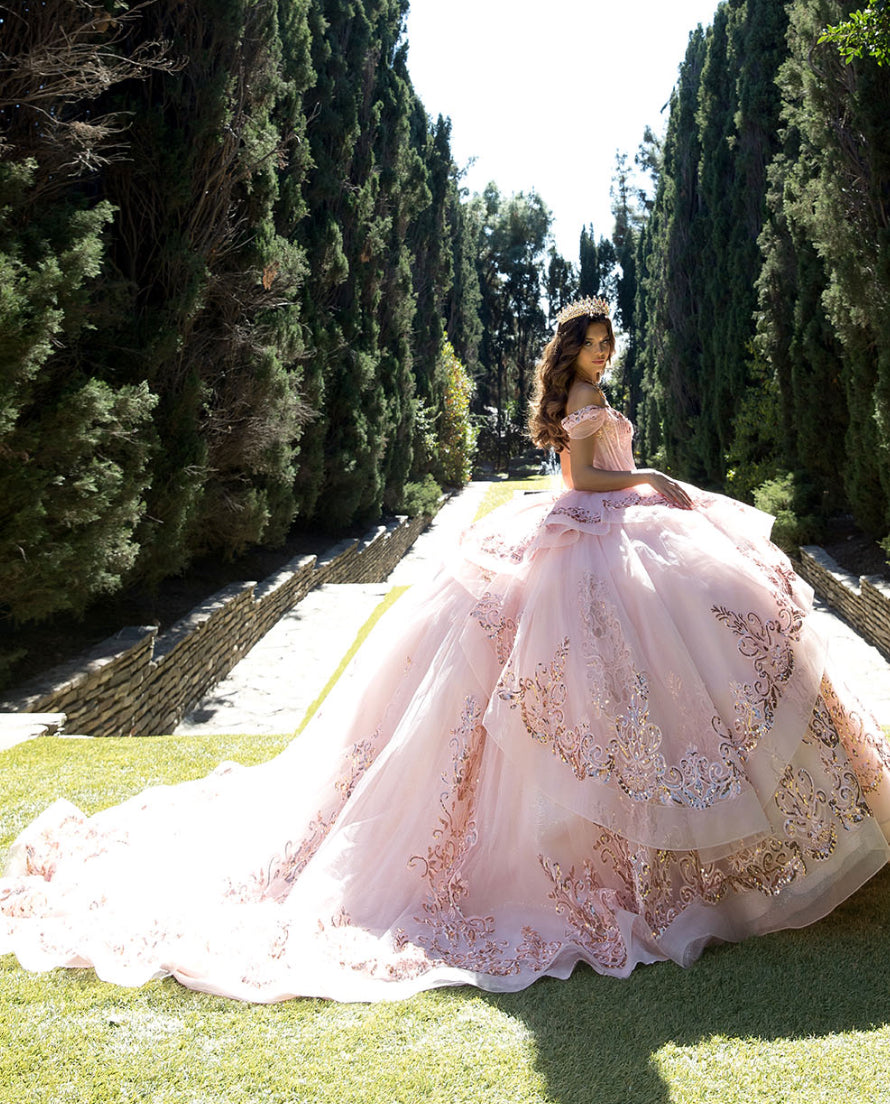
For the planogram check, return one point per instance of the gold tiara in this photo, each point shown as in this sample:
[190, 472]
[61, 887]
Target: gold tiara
[590, 306]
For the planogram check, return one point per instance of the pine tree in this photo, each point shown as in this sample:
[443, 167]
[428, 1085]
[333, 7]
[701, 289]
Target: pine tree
[737, 119]
[842, 112]
[596, 271]
[669, 272]
[75, 436]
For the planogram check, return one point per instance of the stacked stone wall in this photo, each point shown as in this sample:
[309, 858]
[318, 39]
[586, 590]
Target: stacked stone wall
[863, 601]
[137, 683]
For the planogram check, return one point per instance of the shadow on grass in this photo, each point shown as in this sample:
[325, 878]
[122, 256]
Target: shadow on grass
[596, 1036]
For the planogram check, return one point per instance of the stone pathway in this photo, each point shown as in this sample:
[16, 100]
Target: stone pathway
[16, 728]
[273, 686]
[860, 665]
[281, 676]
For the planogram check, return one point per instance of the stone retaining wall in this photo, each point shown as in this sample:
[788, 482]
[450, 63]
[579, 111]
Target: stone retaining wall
[864, 602]
[137, 683]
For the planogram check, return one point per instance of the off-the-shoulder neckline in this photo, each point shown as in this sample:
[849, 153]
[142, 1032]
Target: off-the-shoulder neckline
[589, 406]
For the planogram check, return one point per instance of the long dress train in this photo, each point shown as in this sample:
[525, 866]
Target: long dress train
[604, 733]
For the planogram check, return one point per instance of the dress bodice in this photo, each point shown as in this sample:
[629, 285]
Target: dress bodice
[613, 438]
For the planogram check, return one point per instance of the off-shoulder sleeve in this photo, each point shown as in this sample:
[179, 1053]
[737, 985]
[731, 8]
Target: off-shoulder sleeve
[586, 421]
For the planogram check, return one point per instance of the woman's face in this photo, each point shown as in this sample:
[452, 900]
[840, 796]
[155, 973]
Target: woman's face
[591, 361]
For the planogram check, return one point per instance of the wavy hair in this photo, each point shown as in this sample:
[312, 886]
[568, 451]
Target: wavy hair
[553, 378]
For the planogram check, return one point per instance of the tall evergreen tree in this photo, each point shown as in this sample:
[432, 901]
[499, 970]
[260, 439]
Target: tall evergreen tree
[514, 238]
[624, 237]
[560, 284]
[669, 276]
[74, 429]
[596, 270]
[737, 121]
[842, 113]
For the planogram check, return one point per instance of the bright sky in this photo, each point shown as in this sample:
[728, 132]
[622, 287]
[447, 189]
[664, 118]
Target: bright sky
[542, 94]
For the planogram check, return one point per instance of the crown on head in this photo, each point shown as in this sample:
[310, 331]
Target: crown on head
[590, 306]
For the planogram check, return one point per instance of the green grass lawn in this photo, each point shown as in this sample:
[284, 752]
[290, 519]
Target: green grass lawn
[502, 491]
[794, 1018]
[798, 1016]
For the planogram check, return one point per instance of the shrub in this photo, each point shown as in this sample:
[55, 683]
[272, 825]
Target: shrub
[457, 439]
[420, 498]
[793, 500]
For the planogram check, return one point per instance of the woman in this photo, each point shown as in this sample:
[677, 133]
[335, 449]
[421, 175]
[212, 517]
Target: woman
[604, 733]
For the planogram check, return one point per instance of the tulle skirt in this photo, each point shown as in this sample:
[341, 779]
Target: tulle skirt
[603, 733]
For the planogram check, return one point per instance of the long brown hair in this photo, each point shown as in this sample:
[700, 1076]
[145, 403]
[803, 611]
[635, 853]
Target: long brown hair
[553, 378]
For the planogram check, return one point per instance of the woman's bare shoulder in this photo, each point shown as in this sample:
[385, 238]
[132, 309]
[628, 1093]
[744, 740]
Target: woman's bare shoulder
[582, 394]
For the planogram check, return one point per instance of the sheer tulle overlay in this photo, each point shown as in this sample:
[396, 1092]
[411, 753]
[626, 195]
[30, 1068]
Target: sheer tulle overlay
[604, 733]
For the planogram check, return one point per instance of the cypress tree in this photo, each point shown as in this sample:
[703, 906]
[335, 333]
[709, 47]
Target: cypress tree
[737, 119]
[596, 271]
[74, 432]
[670, 274]
[196, 240]
[463, 303]
[838, 190]
[624, 237]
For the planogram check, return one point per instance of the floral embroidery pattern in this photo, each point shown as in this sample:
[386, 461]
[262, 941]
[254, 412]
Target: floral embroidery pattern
[585, 414]
[862, 740]
[276, 879]
[614, 502]
[632, 758]
[768, 645]
[608, 663]
[361, 757]
[467, 942]
[489, 612]
[585, 904]
[807, 816]
[495, 545]
[606, 419]
[845, 792]
[458, 939]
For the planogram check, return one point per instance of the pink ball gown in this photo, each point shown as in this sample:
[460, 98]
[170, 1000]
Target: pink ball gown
[604, 733]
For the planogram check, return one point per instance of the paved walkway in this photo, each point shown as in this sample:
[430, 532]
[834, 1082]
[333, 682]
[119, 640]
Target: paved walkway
[281, 676]
[273, 686]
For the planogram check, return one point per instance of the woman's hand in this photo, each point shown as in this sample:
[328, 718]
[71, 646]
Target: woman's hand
[668, 488]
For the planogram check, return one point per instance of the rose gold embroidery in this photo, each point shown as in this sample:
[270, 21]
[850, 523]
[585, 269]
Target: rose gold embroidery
[489, 612]
[578, 513]
[632, 758]
[861, 738]
[613, 502]
[495, 545]
[660, 885]
[466, 942]
[608, 663]
[361, 757]
[585, 904]
[767, 644]
[23, 900]
[283, 869]
[590, 413]
[845, 796]
[453, 937]
[768, 867]
[805, 807]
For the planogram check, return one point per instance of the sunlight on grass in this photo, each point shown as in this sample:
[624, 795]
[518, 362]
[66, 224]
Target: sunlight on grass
[852, 1067]
[79, 1041]
[392, 596]
[499, 493]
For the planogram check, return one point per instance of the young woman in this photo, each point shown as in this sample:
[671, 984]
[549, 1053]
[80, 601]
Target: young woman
[604, 733]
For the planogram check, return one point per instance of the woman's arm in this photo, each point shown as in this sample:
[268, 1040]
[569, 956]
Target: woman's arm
[585, 477]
